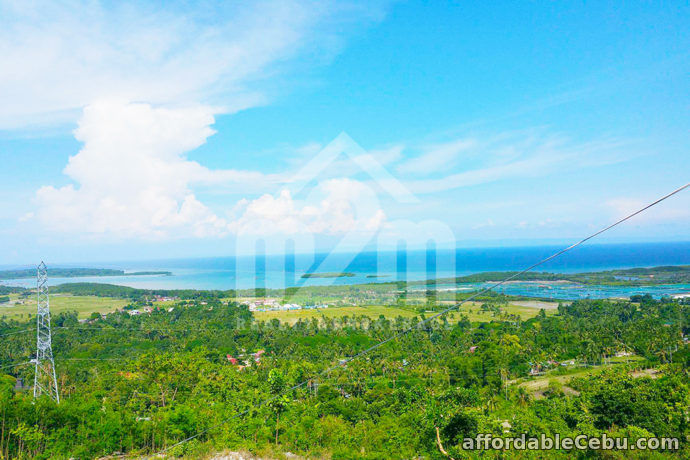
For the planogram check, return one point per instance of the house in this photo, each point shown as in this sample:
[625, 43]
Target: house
[232, 360]
[472, 349]
[257, 356]
[536, 369]
[160, 298]
[134, 312]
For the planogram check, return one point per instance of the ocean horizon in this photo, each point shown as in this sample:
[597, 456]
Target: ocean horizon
[223, 273]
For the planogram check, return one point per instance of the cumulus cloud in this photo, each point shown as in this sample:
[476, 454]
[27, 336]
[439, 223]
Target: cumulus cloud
[132, 179]
[131, 176]
[336, 206]
[144, 84]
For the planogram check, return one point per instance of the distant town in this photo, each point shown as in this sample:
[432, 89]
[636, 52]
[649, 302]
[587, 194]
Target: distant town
[274, 305]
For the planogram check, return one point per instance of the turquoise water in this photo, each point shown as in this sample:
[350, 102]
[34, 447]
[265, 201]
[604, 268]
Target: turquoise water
[574, 291]
[271, 271]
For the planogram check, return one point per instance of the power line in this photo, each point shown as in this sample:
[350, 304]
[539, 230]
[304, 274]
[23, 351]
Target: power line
[345, 361]
[16, 365]
[18, 332]
[60, 360]
[118, 329]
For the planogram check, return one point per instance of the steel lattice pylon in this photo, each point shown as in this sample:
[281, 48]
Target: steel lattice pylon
[44, 378]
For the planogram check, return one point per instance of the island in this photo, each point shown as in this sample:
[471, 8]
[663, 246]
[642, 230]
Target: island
[328, 275]
[640, 276]
[74, 273]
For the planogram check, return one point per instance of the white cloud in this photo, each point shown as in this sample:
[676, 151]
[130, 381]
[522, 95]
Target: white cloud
[487, 223]
[58, 57]
[145, 83]
[132, 176]
[132, 179]
[336, 206]
[436, 158]
[520, 155]
[675, 210]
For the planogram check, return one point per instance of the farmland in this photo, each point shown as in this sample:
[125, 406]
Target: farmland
[21, 308]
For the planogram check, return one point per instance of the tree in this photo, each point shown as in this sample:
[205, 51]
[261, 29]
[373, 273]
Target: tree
[278, 401]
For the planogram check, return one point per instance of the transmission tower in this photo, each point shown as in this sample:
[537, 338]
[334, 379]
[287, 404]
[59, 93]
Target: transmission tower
[44, 378]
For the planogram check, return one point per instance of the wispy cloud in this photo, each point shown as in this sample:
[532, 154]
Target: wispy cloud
[675, 211]
[57, 57]
[521, 155]
[436, 158]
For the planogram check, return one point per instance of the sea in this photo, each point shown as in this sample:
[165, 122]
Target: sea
[282, 271]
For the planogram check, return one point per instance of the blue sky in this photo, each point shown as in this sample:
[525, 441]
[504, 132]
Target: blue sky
[141, 131]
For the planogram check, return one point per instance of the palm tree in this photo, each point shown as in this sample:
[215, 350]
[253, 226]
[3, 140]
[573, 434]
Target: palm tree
[522, 397]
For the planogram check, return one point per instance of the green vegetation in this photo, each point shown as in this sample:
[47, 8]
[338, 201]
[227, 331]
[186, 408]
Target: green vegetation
[125, 292]
[73, 273]
[328, 275]
[472, 311]
[139, 384]
[18, 307]
[4, 290]
[372, 311]
[676, 274]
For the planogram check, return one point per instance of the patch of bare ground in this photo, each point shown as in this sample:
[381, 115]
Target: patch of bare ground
[250, 456]
[653, 373]
[536, 304]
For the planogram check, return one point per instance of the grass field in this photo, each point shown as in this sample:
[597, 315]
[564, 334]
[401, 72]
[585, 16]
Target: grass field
[472, 310]
[83, 305]
[537, 385]
[474, 313]
[372, 311]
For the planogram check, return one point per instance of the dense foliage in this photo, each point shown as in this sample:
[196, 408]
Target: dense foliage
[139, 384]
[672, 274]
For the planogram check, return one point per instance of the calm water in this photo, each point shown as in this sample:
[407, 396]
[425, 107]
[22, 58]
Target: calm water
[574, 291]
[271, 271]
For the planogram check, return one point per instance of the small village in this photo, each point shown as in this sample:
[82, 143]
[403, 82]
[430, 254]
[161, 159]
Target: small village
[274, 305]
[244, 359]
